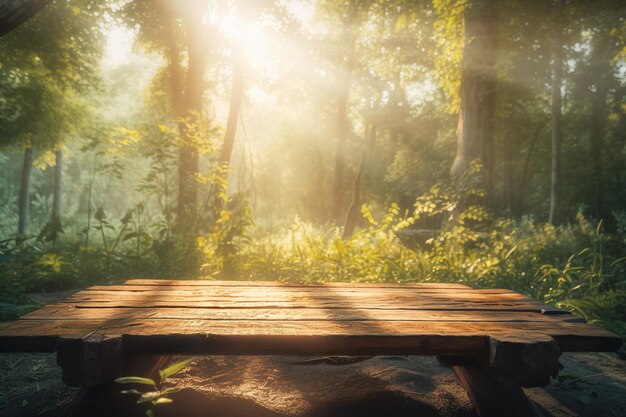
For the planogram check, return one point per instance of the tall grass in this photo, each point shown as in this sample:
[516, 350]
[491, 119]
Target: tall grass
[579, 266]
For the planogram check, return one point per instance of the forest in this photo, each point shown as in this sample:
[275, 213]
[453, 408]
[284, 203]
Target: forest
[479, 142]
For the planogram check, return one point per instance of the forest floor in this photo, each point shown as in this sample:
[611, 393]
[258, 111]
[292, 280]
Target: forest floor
[590, 385]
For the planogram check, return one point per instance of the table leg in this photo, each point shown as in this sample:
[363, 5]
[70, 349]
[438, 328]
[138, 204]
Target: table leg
[89, 360]
[495, 395]
[494, 382]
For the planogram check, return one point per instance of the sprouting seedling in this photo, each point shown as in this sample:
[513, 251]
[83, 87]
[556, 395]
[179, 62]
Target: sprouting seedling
[158, 393]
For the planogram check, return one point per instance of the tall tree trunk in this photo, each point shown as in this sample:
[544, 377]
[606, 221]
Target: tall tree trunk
[600, 71]
[188, 162]
[352, 215]
[55, 218]
[24, 202]
[478, 91]
[58, 178]
[519, 200]
[236, 98]
[318, 193]
[343, 123]
[508, 142]
[557, 128]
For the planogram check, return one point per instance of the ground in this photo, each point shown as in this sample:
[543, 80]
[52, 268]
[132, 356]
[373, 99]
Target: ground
[589, 385]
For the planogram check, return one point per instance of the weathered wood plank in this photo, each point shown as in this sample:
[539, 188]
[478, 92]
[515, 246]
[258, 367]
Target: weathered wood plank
[305, 345]
[570, 336]
[295, 327]
[320, 297]
[179, 292]
[233, 283]
[326, 304]
[357, 302]
[239, 291]
[232, 310]
[70, 312]
[289, 295]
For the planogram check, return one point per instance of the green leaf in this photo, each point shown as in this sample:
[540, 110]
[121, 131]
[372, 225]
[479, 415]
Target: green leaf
[130, 391]
[147, 397]
[163, 400]
[510, 252]
[150, 412]
[135, 380]
[173, 369]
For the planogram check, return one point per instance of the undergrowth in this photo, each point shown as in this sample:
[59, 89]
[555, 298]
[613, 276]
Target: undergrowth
[577, 266]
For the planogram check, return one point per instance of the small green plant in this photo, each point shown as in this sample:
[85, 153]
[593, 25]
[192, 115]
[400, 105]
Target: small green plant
[158, 393]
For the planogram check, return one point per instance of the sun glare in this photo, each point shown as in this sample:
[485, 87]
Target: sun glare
[251, 37]
[119, 46]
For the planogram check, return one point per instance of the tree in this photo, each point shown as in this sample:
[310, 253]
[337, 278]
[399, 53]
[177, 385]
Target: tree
[236, 98]
[344, 73]
[24, 201]
[43, 83]
[557, 129]
[355, 205]
[600, 74]
[478, 89]
[179, 30]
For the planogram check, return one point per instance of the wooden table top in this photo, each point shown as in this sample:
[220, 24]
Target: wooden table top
[238, 317]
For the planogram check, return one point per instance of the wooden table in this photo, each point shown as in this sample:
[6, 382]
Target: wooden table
[496, 341]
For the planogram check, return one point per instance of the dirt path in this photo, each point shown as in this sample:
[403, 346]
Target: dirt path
[590, 385]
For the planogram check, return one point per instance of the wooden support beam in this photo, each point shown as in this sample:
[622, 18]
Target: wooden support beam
[88, 360]
[514, 361]
[495, 394]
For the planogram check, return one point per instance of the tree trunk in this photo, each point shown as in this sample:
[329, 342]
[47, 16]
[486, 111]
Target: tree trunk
[236, 98]
[54, 227]
[188, 162]
[519, 201]
[478, 84]
[352, 215]
[600, 71]
[557, 128]
[318, 193]
[343, 124]
[58, 178]
[24, 202]
[509, 142]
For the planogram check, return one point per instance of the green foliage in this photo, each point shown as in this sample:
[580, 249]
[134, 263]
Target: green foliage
[450, 39]
[228, 233]
[159, 394]
[534, 259]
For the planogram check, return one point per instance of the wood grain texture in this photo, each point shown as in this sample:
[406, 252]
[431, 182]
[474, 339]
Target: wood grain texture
[258, 317]
[83, 312]
[216, 283]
